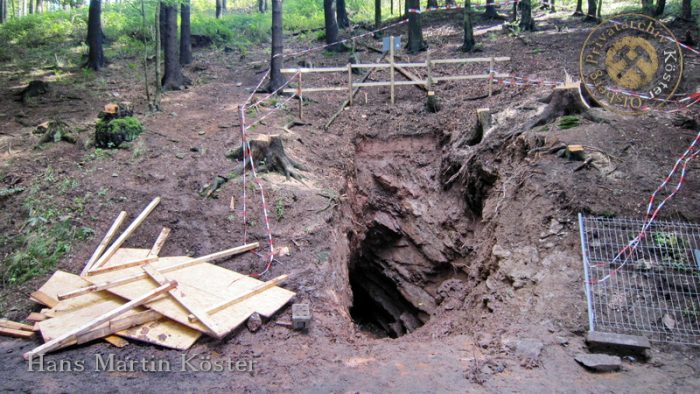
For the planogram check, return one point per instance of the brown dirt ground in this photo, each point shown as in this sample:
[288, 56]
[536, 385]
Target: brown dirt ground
[388, 165]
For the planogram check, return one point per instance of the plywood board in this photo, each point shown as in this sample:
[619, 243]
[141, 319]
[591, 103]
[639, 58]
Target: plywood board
[203, 284]
[73, 312]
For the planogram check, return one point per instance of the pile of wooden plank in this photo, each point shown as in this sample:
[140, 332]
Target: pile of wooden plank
[125, 293]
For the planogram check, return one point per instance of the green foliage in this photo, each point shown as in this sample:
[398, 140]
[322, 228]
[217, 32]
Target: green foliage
[47, 234]
[569, 122]
[4, 192]
[110, 134]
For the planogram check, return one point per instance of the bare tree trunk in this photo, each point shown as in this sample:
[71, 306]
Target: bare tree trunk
[377, 15]
[96, 59]
[163, 24]
[648, 6]
[219, 8]
[490, 9]
[156, 99]
[3, 11]
[30, 6]
[224, 6]
[144, 36]
[468, 45]
[262, 6]
[172, 75]
[185, 35]
[330, 24]
[579, 8]
[660, 6]
[415, 29]
[686, 11]
[526, 21]
[342, 13]
[591, 13]
[432, 3]
[276, 60]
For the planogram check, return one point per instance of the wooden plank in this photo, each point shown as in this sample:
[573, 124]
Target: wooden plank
[56, 343]
[14, 333]
[128, 264]
[35, 317]
[312, 70]
[105, 241]
[160, 241]
[313, 90]
[183, 300]
[118, 325]
[205, 285]
[413, 77]
[230, 302]
[470, 60]
[382, 83]
[140, 275]
[126, 234]
[115, 341]
[15, 325]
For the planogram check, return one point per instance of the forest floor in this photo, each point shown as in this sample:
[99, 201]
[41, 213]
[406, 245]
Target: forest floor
[489, 260]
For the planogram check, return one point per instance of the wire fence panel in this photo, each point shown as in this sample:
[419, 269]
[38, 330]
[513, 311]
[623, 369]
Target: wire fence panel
[652, 289]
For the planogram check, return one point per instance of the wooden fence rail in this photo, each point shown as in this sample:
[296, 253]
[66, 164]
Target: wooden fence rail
[392, 83]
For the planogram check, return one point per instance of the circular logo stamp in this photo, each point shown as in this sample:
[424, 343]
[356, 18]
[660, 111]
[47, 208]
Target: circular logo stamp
[631, 63]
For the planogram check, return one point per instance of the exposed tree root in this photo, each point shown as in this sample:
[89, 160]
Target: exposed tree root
[269, 155]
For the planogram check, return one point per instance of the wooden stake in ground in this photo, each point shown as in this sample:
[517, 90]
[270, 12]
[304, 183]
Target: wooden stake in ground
[70, 336]
[132, 278]
[127, 233]
[105, 241]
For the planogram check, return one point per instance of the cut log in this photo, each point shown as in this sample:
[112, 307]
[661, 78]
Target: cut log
[269, 149]
[566, 99]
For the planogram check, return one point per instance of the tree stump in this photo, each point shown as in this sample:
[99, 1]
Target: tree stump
[35, 88]
[565, 100]
[269, 155]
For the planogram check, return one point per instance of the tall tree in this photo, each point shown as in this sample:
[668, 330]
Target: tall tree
[224, 6]
[579, 8]
[648, 6]
[526, 21]
[219, 8]
[96, 57]
[432, 3]
[468, 45]
[415, 29]
[172, 74]
[377, 16]
[156, 98]
[342, 13]
[591, 14]
[686, 10]
[276, 60]
[262, 6]
[185, 34]
[3, 11]
[331, 24]
[660, 6]
[490, 12]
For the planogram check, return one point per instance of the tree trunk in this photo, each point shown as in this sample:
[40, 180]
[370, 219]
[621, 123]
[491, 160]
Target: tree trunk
[172, 75]
[490, 12]
[96, 59]
[276, 78]
[39, 6]
[468, 45]
[647, 6]
[185, 35]
[223, 6]
[551, 6]
[31, 6]
[415, 29]
[432, 4]
[156, 98]
[343, 20]
[579, 8]
[144, 37]
[377, 16]
[163, 24]
[219, 8]
[262, 6]
[514, 17]
[686, 11]
[330, 24]
[660, 6]
[451, 3]
[591, 13]
[526, 21]
[3, 11]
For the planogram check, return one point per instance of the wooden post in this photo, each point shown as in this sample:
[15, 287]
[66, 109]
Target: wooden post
[491, 74]
[350, 85]
[105, 242]
[301, 100]
[391, 69]
[429, 65]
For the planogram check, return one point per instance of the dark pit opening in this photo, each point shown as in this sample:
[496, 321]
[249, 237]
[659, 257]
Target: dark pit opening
[379, 308]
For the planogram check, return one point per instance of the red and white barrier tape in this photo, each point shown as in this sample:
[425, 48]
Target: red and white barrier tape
[684, 46]
[652, 212]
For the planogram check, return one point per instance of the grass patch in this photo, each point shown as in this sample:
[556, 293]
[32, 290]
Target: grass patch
[49, 231]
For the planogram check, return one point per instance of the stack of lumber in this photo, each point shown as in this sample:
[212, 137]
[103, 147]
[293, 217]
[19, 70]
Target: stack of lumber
[126, 293]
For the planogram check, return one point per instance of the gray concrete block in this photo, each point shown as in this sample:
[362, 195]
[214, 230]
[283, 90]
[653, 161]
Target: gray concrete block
[620, 344]
[301, 316]
[599, 362]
